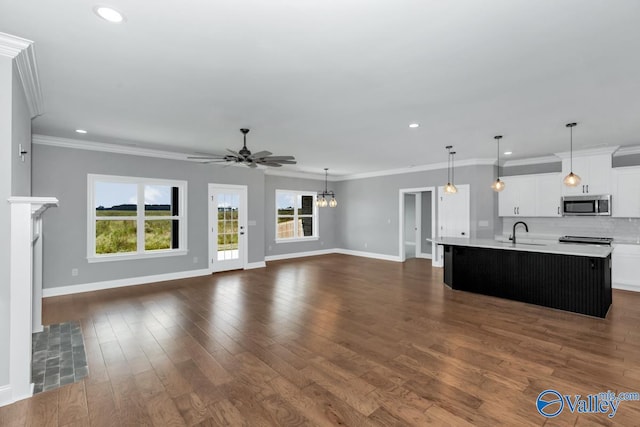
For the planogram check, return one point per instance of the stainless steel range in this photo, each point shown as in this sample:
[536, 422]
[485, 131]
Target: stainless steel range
[604, 241]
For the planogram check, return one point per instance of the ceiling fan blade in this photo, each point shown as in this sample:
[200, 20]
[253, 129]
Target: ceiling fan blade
[260, 154]
[284, 162]
[234, 153]
[252, 165]
[271, 164]
[278, 158]
[205, 157]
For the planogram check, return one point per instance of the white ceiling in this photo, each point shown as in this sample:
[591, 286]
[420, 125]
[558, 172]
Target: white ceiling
[337, 82]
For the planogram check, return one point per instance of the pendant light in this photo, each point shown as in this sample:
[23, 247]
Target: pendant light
[498, 185]
[571, 180]
[321, 201]
[450, 188]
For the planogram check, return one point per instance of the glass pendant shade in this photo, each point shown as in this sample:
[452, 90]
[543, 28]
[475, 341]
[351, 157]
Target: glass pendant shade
[498, 185]
[572, 180]
[333, 202]
[450, 188]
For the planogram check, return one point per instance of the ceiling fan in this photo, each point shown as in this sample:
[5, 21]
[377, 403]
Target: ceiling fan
[245, 157]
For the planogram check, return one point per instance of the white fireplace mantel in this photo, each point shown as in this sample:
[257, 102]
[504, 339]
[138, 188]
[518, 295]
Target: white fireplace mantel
[25, 280]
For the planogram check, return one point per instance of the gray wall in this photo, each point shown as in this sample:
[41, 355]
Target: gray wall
[20, 134]
[629, 160]
[369, 220]
[426, 222]
[62, 173]
[326, 221]
[531, 169]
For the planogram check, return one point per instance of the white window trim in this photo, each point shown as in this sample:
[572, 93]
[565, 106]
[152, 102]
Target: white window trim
[316, 216]
[139, 217]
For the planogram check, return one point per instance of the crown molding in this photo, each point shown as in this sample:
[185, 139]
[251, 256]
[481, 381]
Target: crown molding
[23, 51]
[78, 144]
[531, 161]
[301, 175]
[627, 151]
[421, 168]
[589, 152]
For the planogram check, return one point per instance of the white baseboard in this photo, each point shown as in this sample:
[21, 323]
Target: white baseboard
[131, 281]
[424, 256]
[252, 265]
[6, 397]
[299, 254]
[626, 287]
[373, 255]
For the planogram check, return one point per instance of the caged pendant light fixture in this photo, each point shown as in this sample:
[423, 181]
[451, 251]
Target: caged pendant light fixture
[571, 180]
[450, 188]
[321, 201]
[498, 185]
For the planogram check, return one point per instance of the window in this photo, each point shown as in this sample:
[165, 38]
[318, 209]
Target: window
[296, 216]
[135, 218]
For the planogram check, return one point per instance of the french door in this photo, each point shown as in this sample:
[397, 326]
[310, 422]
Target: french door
[227, 227]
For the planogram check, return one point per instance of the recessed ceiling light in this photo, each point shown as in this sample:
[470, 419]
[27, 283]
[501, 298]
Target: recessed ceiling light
[508, 153]
[414, 125]
[109, 14]
[81, 131]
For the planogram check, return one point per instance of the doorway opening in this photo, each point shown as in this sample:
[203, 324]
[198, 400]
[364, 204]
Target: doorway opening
[417, 222]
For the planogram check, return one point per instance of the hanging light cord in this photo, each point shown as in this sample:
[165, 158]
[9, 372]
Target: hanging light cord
[452, 167]
[570, 126]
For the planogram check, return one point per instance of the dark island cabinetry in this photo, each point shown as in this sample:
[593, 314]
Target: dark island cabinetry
[580, 284]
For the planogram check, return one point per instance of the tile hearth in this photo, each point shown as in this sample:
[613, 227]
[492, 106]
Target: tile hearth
[58, 356]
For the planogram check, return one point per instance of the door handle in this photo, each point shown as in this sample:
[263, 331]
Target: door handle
[518, 210]
[558, 210]
[587, 188]
[514, 210]
[583, 189]
[463, 233]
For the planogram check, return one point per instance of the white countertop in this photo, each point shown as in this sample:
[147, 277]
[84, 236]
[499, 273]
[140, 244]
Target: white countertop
[546, 247]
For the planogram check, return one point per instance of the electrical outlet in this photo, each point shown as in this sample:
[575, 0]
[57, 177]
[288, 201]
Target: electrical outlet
[74, 271]
[321, 243]
[269, 247]
[365, 245]
[195, 259]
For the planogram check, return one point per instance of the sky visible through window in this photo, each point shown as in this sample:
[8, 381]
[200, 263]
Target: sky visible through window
[110, 194]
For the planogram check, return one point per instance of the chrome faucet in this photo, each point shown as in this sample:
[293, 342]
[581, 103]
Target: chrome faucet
[513, 234]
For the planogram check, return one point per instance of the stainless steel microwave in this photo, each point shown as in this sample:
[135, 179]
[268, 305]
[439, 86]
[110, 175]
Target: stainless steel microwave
[587, 205]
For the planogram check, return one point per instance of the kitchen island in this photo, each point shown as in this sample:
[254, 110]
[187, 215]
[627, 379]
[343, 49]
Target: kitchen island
[568, 277]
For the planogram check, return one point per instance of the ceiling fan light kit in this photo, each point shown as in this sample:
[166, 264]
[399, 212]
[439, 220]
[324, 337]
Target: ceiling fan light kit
[321, 201]
[571, 180]
[245, 157]
[450, 188]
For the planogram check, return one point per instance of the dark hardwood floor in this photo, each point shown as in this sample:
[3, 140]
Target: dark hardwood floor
[332, 340]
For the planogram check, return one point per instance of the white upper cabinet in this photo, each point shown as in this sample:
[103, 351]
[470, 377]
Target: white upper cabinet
[549, 194]
[594, 170]
[530, 195]
[625, 196]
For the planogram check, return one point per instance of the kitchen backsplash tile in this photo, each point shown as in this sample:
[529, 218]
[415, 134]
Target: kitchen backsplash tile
[623, 230]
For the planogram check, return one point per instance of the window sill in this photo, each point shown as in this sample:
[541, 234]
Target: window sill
[126, 257]
[304, 239]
